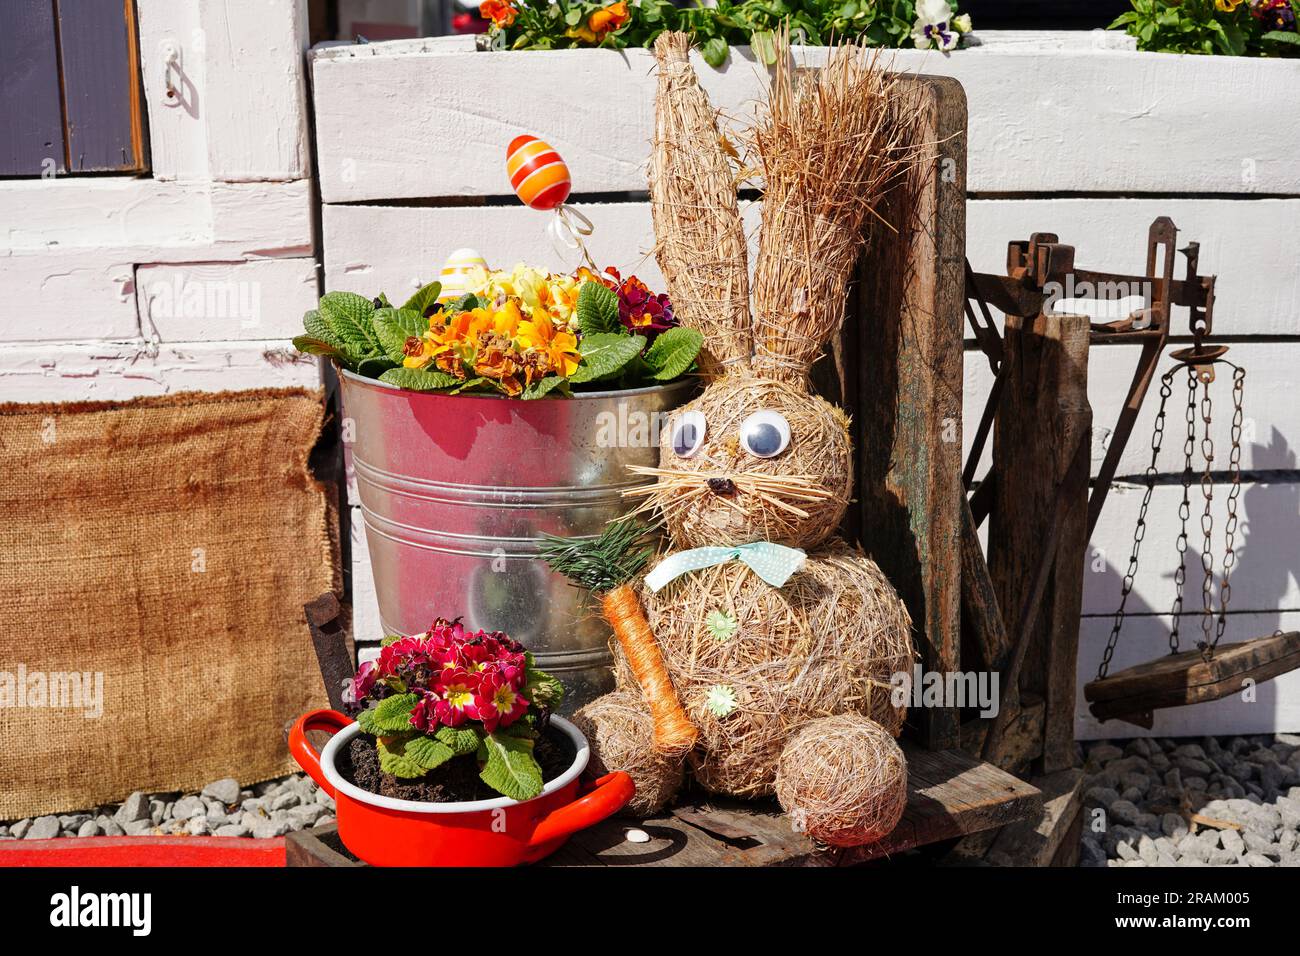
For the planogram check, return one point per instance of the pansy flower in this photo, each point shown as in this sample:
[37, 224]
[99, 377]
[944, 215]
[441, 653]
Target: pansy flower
[934, 25]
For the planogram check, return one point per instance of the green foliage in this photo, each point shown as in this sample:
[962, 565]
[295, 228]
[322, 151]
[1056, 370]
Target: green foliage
[597, 309]
[546, 25]
[430, 752]
[544, 386]
[392, 715]
[396, 758]
[510, 767]
[605, 355]
[460, 740]
[541, 689]
[1225, 27]
[602, 563]
[419, 379]
[394, 326]
[673, 353]
[424, 300]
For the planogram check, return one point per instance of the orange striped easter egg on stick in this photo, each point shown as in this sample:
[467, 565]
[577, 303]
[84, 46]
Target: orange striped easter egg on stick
[537, 173]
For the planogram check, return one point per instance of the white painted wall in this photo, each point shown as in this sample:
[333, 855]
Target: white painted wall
[196, 276]
[1069, 133]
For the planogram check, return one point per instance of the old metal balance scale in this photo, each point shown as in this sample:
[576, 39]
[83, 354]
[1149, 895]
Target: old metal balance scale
[1210, 671]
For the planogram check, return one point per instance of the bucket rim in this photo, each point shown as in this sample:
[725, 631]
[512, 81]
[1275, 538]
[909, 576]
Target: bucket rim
[681, 383]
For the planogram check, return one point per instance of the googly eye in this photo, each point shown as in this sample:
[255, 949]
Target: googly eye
[688, 434]
[765, 434]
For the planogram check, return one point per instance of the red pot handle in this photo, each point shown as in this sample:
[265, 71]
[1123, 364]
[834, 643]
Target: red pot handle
[301, 749]
[602, 799]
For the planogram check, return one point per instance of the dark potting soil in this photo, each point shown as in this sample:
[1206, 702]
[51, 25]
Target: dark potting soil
[454, 781]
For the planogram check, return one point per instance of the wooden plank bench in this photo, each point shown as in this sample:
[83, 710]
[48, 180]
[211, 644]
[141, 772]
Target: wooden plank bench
[950, 795]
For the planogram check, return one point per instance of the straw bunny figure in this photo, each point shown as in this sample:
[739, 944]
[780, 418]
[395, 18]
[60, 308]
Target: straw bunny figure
[780, 638]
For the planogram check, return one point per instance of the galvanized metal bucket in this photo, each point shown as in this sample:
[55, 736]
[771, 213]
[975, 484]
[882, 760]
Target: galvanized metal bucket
[456, 491]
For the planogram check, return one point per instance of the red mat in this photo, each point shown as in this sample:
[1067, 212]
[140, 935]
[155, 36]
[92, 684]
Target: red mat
[143, 851]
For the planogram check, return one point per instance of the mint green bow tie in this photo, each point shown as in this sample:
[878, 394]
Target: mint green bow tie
[774, 563]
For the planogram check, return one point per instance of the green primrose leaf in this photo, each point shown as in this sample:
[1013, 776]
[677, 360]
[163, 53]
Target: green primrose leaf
[348, 317]
[429, 752]
[597, 309]
[418, 379]
[605, 354]
[395, 326]
[315, 346]
[544, 386]
[317, 328]
[460, 740]
[392, 715]
[673, 352]
[395, 758]
[511, 768]
[424, 299]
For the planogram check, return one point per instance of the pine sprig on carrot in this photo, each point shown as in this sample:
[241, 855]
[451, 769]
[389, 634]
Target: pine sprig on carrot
[606, 565]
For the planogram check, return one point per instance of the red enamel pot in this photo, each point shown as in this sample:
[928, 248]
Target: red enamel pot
[385, 831]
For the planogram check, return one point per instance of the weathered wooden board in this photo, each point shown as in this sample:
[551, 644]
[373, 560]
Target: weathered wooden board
[949, 795]
[1043, 417]
[1036, 842]
[101, 86]
[1027, 109]
[905, 365]
[369, 247]
[1172, 680]
[113, 371]
[1021, 740]
[1272, 707]
[226, 301]
[31, 118]
[148, 221]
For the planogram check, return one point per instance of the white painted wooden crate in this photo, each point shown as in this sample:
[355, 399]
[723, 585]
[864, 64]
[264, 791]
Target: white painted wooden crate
[1069, 133]
[195, 276]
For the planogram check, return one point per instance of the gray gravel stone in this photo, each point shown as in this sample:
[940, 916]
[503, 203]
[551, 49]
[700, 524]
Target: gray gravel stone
[1255, 859]
[1125, 811]
[1173, 825]
[88, 829]
[197, 826]
[1232, 841]
[43, 828]
[135, 807]
[232, 830]
[286, 800]
[19, 830]
[112, 828]
[187, 807]
[139, 827]
[268, 829]
[225, 790]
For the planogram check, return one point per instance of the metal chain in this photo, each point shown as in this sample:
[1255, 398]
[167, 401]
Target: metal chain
[1207, 527]
[1230, 523]
[1184, 510]
[1140, 530]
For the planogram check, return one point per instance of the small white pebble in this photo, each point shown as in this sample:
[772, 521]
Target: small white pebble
[637, 836]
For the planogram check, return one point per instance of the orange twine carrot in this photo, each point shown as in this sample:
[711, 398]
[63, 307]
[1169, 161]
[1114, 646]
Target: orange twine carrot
[673, 731]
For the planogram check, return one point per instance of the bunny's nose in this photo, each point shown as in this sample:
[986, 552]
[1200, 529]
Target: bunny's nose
[722, 486]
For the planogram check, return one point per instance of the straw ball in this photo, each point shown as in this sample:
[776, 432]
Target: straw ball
[843, 780]
[620, 732]
[752, 663]
[795, 498]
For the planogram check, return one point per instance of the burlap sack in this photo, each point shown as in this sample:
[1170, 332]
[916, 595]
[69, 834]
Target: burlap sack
[167, 544]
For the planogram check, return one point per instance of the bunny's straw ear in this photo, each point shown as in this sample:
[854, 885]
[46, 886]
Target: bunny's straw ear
[699, 237]
[830, 146]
